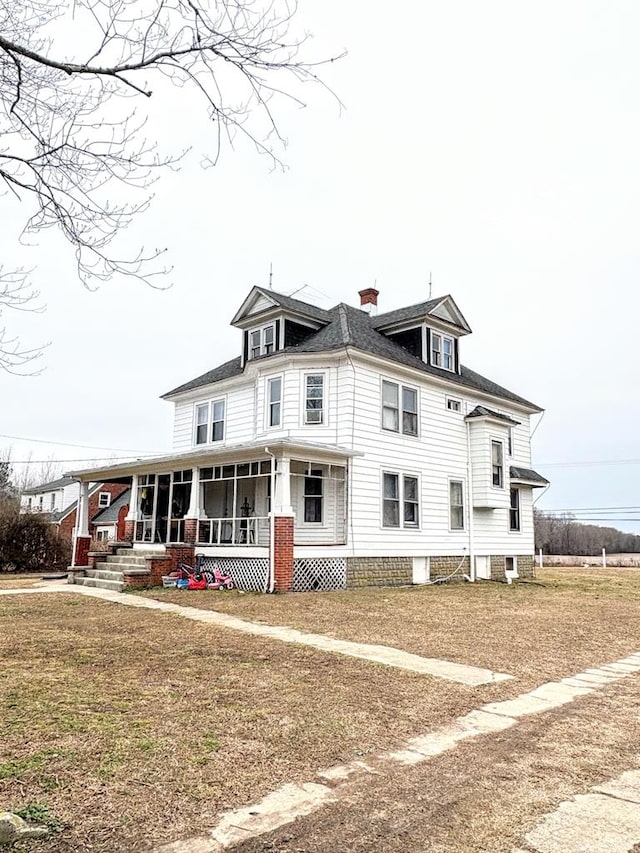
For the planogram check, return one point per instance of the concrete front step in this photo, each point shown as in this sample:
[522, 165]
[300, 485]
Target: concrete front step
[115, 586]
[130, 559]
[140, 552]
[121, 568]
[105, 574]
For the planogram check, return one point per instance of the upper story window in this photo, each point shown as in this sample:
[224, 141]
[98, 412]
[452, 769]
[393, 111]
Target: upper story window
[497, 464]
[274, 402]
[262, 341]
[454, 405]
[210, 421]
[104, 499]
[53, 500]
[399, 408]
[442, 350]
[314, 398]
[399, 500]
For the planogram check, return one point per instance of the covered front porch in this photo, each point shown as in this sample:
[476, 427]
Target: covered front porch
[247, 501]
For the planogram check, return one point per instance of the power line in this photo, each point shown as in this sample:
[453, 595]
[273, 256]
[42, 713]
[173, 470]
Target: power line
[588, 463]
[84, 446]
[65, 461]
[592, 509]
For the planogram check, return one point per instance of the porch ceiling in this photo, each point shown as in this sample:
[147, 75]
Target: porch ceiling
[217, 455]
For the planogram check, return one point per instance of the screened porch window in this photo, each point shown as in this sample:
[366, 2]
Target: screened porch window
[313, 497]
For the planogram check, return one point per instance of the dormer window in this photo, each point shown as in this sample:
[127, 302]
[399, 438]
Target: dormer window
[442, 351]
[262, 341]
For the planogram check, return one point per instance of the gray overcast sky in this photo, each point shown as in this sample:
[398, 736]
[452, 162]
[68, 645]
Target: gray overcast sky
[494, 144]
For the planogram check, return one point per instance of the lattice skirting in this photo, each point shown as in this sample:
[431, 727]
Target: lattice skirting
[250, 574]
[312, 575]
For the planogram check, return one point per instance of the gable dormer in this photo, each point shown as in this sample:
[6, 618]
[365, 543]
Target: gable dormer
[430, 330]
[271, 322]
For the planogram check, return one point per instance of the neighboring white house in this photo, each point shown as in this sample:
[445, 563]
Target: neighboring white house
[360, 436]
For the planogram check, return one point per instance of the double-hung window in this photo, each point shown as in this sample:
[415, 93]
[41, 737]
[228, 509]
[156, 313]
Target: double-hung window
[313, 497]
[442, 350]
[274, 402]
[400, 503]
[262, 341]
[497, 464]
[210, 421]
[104, 500]
[399, 408]
[314, 398]
[514, 510]
[456, 505]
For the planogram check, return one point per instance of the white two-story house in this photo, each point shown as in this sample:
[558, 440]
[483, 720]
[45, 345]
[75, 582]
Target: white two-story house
[339, 448]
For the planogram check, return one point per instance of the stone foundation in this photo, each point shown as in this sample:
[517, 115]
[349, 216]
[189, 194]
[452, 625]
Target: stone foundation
[442, 567]
[379, 571]
[525, 566]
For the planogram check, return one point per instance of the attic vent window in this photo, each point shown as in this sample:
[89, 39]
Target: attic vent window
[104, 499]
[262, 341]
[441, 351]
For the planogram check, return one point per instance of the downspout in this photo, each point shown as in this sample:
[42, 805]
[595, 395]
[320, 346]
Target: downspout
[472, 557]
[271, 579]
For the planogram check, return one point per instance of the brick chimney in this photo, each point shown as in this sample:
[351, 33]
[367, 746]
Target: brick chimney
[369, 300]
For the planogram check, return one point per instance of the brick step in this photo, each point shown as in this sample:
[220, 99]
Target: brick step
[99, 583]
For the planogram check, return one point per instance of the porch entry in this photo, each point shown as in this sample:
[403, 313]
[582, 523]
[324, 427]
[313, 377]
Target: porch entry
[233, 502]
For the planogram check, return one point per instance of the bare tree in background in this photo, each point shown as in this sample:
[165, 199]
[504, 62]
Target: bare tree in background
[74, 75]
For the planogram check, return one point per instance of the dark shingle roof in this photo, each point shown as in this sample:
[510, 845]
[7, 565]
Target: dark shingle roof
[109, 514]
[49, 487]
[483, 412]
[298, 306]
[347, 326]
[223, 371]
[528, 474]
[410, 312]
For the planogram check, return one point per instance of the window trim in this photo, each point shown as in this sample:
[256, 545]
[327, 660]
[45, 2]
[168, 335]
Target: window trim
[401, 411]
[101, 504]
[310, 475]
[401, 500]
[498, 442]
[515, 509]
[437, 354]
[513, 572]
[323, 410]
[261, 330]
[208, 423]
[457, 401]
[268, 403]
[462, 483]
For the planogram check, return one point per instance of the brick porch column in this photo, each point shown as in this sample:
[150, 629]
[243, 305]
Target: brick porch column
[283, 552]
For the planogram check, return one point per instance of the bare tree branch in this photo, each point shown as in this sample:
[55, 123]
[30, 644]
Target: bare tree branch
[76, 86]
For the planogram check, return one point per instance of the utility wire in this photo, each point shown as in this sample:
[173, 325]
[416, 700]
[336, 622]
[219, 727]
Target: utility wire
[84, 446]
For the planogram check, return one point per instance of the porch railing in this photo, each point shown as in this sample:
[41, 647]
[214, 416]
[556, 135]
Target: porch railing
[234, 531]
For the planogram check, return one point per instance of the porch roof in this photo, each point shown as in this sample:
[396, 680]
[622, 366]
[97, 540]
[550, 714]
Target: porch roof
[214, 456]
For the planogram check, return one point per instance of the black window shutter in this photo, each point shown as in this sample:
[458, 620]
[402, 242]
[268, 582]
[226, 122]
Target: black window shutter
[456, 355]
[277, 335]
[245, 347]
[427, 355]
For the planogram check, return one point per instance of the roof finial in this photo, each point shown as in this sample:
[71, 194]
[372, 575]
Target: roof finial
[429, 285]
[270, 275]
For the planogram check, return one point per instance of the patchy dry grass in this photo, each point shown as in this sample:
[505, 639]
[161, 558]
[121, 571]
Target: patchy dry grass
[566, 621]
[133, 727]
[10, 581]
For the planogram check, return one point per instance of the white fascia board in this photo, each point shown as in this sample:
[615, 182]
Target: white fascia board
[246, 451]
[255, 292]
[212, 389]
[451, 306]
[455, 388]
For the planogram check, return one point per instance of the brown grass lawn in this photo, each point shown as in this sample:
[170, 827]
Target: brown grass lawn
[569, 619]
[135, 728]
[10, 581]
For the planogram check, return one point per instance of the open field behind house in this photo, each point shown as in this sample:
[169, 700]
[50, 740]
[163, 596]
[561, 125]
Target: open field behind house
[612, 560]
[134, 728]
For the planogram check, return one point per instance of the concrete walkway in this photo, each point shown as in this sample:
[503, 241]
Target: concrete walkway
[607, 820]
[461, 673]
[618, 822]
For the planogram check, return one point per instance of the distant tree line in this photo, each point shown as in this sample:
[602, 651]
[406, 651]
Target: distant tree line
[562, 534]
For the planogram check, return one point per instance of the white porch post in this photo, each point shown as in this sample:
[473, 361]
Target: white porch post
[282, 528]
[282, 497]
[194, 501]
[132, 515]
